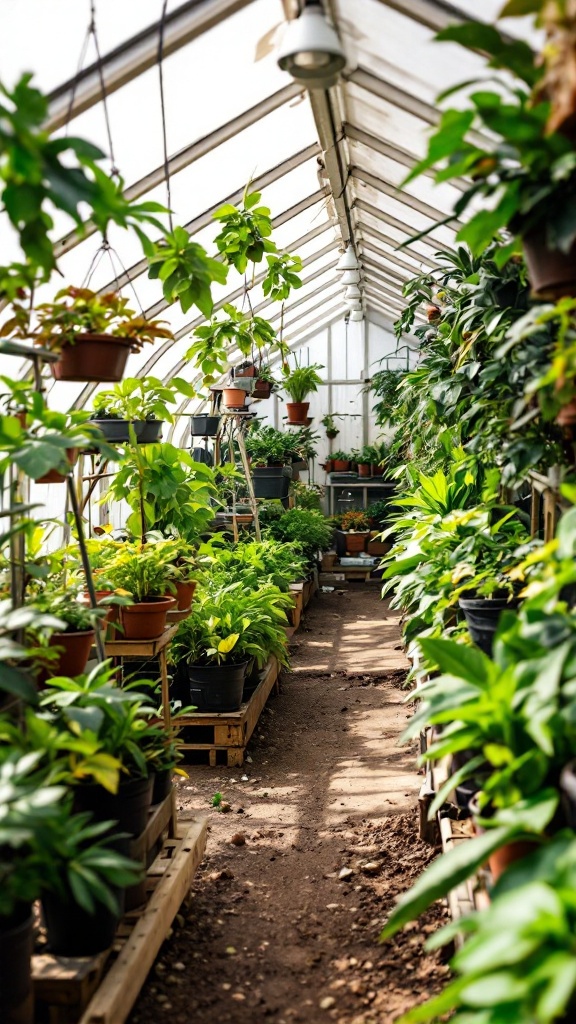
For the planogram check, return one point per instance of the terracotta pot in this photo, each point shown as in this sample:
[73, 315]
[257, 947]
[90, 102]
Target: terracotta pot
[433, 313]
[378, 547]
[509, 854]
[93, 357]
[73, 659]
[146, 619]
[297, 413]
[112, 610]
[340, 465]
[262, 390]
[248, 371]
[377, 470]
[567, 415]
[355, 542]
[328, 465]
[233, 398]
[54, 476]
[184, 594]
[364, 470]
[552, 273]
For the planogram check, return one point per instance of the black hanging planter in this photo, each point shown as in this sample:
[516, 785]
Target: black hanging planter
[16, 944]
[118, 431]
[271, 481]
[216, 687]
[204, 425]
[482, 615]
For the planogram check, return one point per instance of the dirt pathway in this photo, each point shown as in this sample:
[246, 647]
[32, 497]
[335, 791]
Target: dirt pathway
[319, 838]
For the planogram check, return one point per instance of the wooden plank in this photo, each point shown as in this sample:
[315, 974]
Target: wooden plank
[120, 988]
[159, 819]
[139, 648]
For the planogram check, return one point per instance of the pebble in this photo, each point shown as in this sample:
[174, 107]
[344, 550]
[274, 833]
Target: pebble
[238, 839]
[371, 867]
[345, 874]
[327, 1003]
[238, 996]
[179, 966]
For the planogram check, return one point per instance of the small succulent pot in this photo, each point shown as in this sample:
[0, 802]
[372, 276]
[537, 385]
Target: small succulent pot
[93, 358]
[233, 398]
[297, 413]
[54, 476]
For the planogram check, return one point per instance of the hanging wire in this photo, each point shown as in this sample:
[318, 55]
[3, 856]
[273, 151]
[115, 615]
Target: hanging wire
[163, 110]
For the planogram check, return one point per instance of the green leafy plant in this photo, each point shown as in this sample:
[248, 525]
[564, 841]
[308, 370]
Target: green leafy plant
[329, 424]
[304, 526]
[141, 398]
[186, 271]
[282, 276]
[245, 232]
[301, 381]
[340, 456]
[77, 311]
[265, 445]
[166, 490]
[144, 571]
[215, 340]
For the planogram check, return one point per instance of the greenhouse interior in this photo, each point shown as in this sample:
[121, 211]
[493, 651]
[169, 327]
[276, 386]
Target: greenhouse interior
[288, 511]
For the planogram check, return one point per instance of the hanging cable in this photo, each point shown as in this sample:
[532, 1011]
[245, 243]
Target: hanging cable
[114, 172]
[163, 111]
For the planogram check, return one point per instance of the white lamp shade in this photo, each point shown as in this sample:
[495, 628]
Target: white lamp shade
[352, 292]
[311, 51]
[347, 260]
[353, 303]
[356, 314]
[350, 277]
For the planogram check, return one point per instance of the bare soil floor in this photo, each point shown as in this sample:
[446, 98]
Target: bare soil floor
[319, 839]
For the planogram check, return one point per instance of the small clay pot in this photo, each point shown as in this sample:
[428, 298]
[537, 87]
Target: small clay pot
[73, 658]
[340, 465]
[184, 594]
[364, 470]
[54, 476]
[552, 273]
[377, 470]
[233, 398]
[356, 542]
[297, 413]
[146, 620]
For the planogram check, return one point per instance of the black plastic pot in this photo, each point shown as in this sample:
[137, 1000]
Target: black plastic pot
[72, 931]
[147, 431]
[216, 687]
[162, 785]
[204, 425]
[482, 615]
[128, 807]
[271, 481]
[252, 679]
[16, 944]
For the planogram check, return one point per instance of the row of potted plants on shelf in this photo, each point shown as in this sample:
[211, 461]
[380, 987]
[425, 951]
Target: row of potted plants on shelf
[369, 461]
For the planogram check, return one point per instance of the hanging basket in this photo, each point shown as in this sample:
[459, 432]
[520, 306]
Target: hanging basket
[271, 481]
[93, 357]
[54, 476]
[118, 431]
[552, 273]
[204, 425]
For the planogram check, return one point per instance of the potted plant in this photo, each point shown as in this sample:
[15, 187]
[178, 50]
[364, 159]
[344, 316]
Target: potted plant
[329, 424]
[526, 171]
[363, 460]
[298, 383]
[137, 404]
[304, 449]
[340, 462]
[204, 425]
[266, 384]
[144, 572]
[93, 334]
[269, 450]
[63, 651]
[306, 527]
[47, 443]
[233, 329]
[356, 527]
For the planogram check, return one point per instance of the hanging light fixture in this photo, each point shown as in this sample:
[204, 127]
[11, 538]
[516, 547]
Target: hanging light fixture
[311, 51]
[350, 277]
[348, 260]
[352, 292]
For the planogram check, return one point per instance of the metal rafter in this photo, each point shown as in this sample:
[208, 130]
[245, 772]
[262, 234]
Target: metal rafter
[136, 55]
[393, 222]
[73, 239]
[367, 238]
[394, 244]
[392, 191]
[434, 14]
[399, 156]
[392, 94]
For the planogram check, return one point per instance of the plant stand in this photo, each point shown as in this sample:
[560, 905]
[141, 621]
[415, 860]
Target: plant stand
[103, 989]
[236, 424]
[156, 648]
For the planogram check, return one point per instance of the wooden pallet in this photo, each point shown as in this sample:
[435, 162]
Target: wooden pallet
[103, 989]
[225, 736]
[471, 894]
